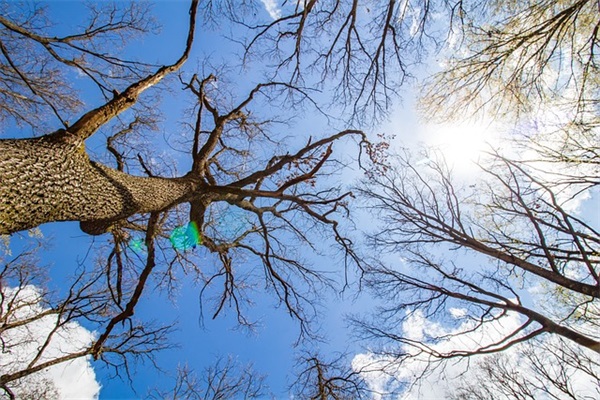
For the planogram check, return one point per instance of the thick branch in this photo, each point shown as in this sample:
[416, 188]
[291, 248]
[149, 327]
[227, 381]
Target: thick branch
[89, 123]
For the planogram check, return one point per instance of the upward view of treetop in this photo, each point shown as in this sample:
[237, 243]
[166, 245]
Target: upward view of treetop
[361, 58]
[253, 142]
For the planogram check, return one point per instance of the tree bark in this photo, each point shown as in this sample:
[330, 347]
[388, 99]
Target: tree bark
[50, 179]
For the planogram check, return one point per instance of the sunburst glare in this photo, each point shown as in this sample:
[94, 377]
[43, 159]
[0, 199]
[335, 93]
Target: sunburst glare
[462, 144]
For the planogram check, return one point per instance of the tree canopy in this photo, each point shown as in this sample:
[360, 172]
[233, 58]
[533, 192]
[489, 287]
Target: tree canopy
[248, 190]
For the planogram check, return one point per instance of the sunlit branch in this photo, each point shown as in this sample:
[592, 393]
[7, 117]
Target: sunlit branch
[92, 120]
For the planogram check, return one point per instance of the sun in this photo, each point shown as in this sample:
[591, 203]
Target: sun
[462, 144]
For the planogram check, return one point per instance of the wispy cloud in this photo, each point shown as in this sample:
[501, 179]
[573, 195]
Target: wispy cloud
[272, 8]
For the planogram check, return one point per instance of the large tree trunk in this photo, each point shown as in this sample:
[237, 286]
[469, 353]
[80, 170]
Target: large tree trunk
[51, 179]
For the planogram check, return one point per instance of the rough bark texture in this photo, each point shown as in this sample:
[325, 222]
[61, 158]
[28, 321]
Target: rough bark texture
[51, 179]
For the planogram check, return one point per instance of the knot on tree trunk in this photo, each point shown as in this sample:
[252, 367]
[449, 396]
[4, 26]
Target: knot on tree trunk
[96, 227]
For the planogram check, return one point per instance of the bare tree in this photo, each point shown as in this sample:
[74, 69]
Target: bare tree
[33, 63]
[224, 379]
[61, 182]
[237, 160]
[41, 329]
[514, 228]
[321, 379]
[519, 221]
[504, 57]
[541, 369]
[515, 58]
[363, 51]
[468, 256]
[237, 163]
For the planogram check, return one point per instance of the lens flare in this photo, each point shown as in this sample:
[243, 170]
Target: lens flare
[186, 237]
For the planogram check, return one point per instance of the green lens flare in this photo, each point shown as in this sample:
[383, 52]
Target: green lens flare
[186, 237]
[137, 245]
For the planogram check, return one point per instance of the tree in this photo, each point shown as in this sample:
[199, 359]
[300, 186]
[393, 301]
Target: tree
[224, 379]
[101, 196]
[512, 230]
[361, 51]
[518, 58]
[321, 379]
[358, 55]
[542, 369]
[33, 66]
[52, 178]
[472, 255]
[235, 162]
[42, 330]
[517, 219]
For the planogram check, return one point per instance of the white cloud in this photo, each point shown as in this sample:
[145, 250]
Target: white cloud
[73, 379]
[435, 384]
[458, 312]
[272, 8]
[383, 373]
[370, 367]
